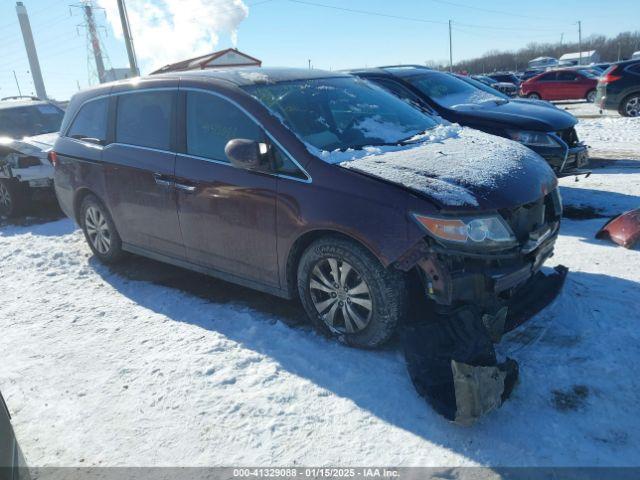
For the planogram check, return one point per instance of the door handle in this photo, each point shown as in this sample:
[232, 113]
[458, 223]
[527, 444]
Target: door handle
[186, 188]
[162, 180]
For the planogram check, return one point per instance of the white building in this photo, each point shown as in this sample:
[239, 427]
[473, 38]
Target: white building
[230, 57]
[586, 58]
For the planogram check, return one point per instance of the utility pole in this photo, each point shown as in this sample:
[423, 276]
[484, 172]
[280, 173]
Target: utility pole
[580, 41]
[618, 51]
[128, 40]
[309, 62]
[32, 54]
[561, 38]
[95, 41]
[17, 84]
[450, 49]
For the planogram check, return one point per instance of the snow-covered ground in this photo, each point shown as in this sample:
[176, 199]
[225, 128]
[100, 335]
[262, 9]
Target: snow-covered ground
[118, 366]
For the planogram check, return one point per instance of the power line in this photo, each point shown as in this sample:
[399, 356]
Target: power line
[367, 12]
[488, 10]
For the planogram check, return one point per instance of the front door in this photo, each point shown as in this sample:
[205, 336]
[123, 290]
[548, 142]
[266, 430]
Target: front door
[227, 215]
[140, 167]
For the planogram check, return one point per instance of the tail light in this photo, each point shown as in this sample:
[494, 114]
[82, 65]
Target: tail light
[609, 77]
[53, 158]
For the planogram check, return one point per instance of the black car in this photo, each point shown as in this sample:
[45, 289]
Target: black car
[508, 88]
[12, 464]
[505, 77]
[619, 88]
[539, 125]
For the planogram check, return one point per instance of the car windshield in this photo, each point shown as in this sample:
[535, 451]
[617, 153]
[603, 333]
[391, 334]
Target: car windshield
[341, 113]
[449, 91]
[484, 87]
[24, 121]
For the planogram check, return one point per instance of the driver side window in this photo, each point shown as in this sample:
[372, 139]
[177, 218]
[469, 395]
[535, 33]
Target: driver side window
[211, 122]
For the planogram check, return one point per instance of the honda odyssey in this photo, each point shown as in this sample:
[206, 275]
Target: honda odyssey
[307, 184]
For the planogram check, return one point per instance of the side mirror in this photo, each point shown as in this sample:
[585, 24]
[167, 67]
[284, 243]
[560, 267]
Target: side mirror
[247, 154]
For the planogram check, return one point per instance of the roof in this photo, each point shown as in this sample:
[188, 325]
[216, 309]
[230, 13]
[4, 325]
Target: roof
[255, 75]
[576, 55]
[393, 70]
[20, 102]
[203, 61]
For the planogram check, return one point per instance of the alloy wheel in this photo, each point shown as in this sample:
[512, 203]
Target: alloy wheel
[341, 296]
[97, 230]
[5, 197]
[632, 107]
[591, 97]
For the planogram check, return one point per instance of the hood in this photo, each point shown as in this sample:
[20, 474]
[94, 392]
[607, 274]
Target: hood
[457, 169]
[44, 142]
[520, 114]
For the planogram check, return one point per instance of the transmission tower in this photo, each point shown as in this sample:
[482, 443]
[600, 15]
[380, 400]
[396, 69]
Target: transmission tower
[98, 61]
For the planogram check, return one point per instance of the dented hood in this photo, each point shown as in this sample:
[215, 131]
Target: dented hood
[459, 169]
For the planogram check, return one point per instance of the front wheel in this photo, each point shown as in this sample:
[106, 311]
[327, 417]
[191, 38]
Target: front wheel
[533, 96]
[12, 197]
[591, 96]
[348, 294]
[630, 106]
[99, 230]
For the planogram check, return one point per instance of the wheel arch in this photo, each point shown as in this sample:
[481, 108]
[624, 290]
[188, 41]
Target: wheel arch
[302, 243]
[78, 197]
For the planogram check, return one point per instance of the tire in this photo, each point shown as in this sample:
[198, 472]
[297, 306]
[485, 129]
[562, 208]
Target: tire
[12, 197]
[591, 96]
[534, 96]
[363, 317]
[630, 106]
[100, 231]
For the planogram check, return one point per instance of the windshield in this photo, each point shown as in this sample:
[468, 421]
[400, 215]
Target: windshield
[341, 113]
[449, 91]
[18, 122]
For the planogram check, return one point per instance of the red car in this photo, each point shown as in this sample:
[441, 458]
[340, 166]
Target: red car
[561, 85]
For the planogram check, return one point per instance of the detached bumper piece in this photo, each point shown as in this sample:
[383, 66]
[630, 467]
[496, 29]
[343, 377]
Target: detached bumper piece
[451, 358]
[623, 230]
[539, 292]
[453, 365]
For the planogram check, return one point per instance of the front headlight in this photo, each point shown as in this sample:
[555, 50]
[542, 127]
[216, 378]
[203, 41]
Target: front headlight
[534, 139]
[489, 231]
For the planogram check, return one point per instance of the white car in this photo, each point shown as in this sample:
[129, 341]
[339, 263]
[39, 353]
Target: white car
[28, 129]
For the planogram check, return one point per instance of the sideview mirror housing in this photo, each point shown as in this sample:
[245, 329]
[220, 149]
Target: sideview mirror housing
[247, 154]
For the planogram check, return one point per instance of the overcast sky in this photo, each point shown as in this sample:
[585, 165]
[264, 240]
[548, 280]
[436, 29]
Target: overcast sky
[331, 33]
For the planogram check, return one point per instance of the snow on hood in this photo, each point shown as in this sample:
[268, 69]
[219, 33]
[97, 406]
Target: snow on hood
[452, 164]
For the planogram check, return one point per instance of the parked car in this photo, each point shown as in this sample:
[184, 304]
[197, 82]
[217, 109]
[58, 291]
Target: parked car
[505, 77]
[540, 126]
[507, 88]
[12, 463]
[619, 88]
[26, 127]
[562, 84]
[307, 184]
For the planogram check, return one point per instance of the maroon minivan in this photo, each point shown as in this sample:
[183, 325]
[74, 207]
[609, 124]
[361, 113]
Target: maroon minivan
[309, 184]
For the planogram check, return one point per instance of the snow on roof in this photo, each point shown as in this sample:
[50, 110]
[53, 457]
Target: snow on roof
[576, 55]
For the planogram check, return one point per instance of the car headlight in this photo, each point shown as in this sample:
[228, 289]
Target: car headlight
[486, 231]
[534, 139]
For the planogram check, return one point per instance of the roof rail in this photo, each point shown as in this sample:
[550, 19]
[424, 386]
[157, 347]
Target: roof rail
[406, 65]
[20, 97]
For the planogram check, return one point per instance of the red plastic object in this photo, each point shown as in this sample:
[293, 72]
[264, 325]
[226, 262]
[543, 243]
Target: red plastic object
[623, 230]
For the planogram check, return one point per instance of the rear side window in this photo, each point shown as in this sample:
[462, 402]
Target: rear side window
[91, 121]
[547, 77]
[635, 68]
[212, 122]
[144, 119]
[567, 76]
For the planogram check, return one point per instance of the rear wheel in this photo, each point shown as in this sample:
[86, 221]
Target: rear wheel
[591, 96]
[100, 231]
[12, 197]
[630, 106]
[348, 294]
[534, 96]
